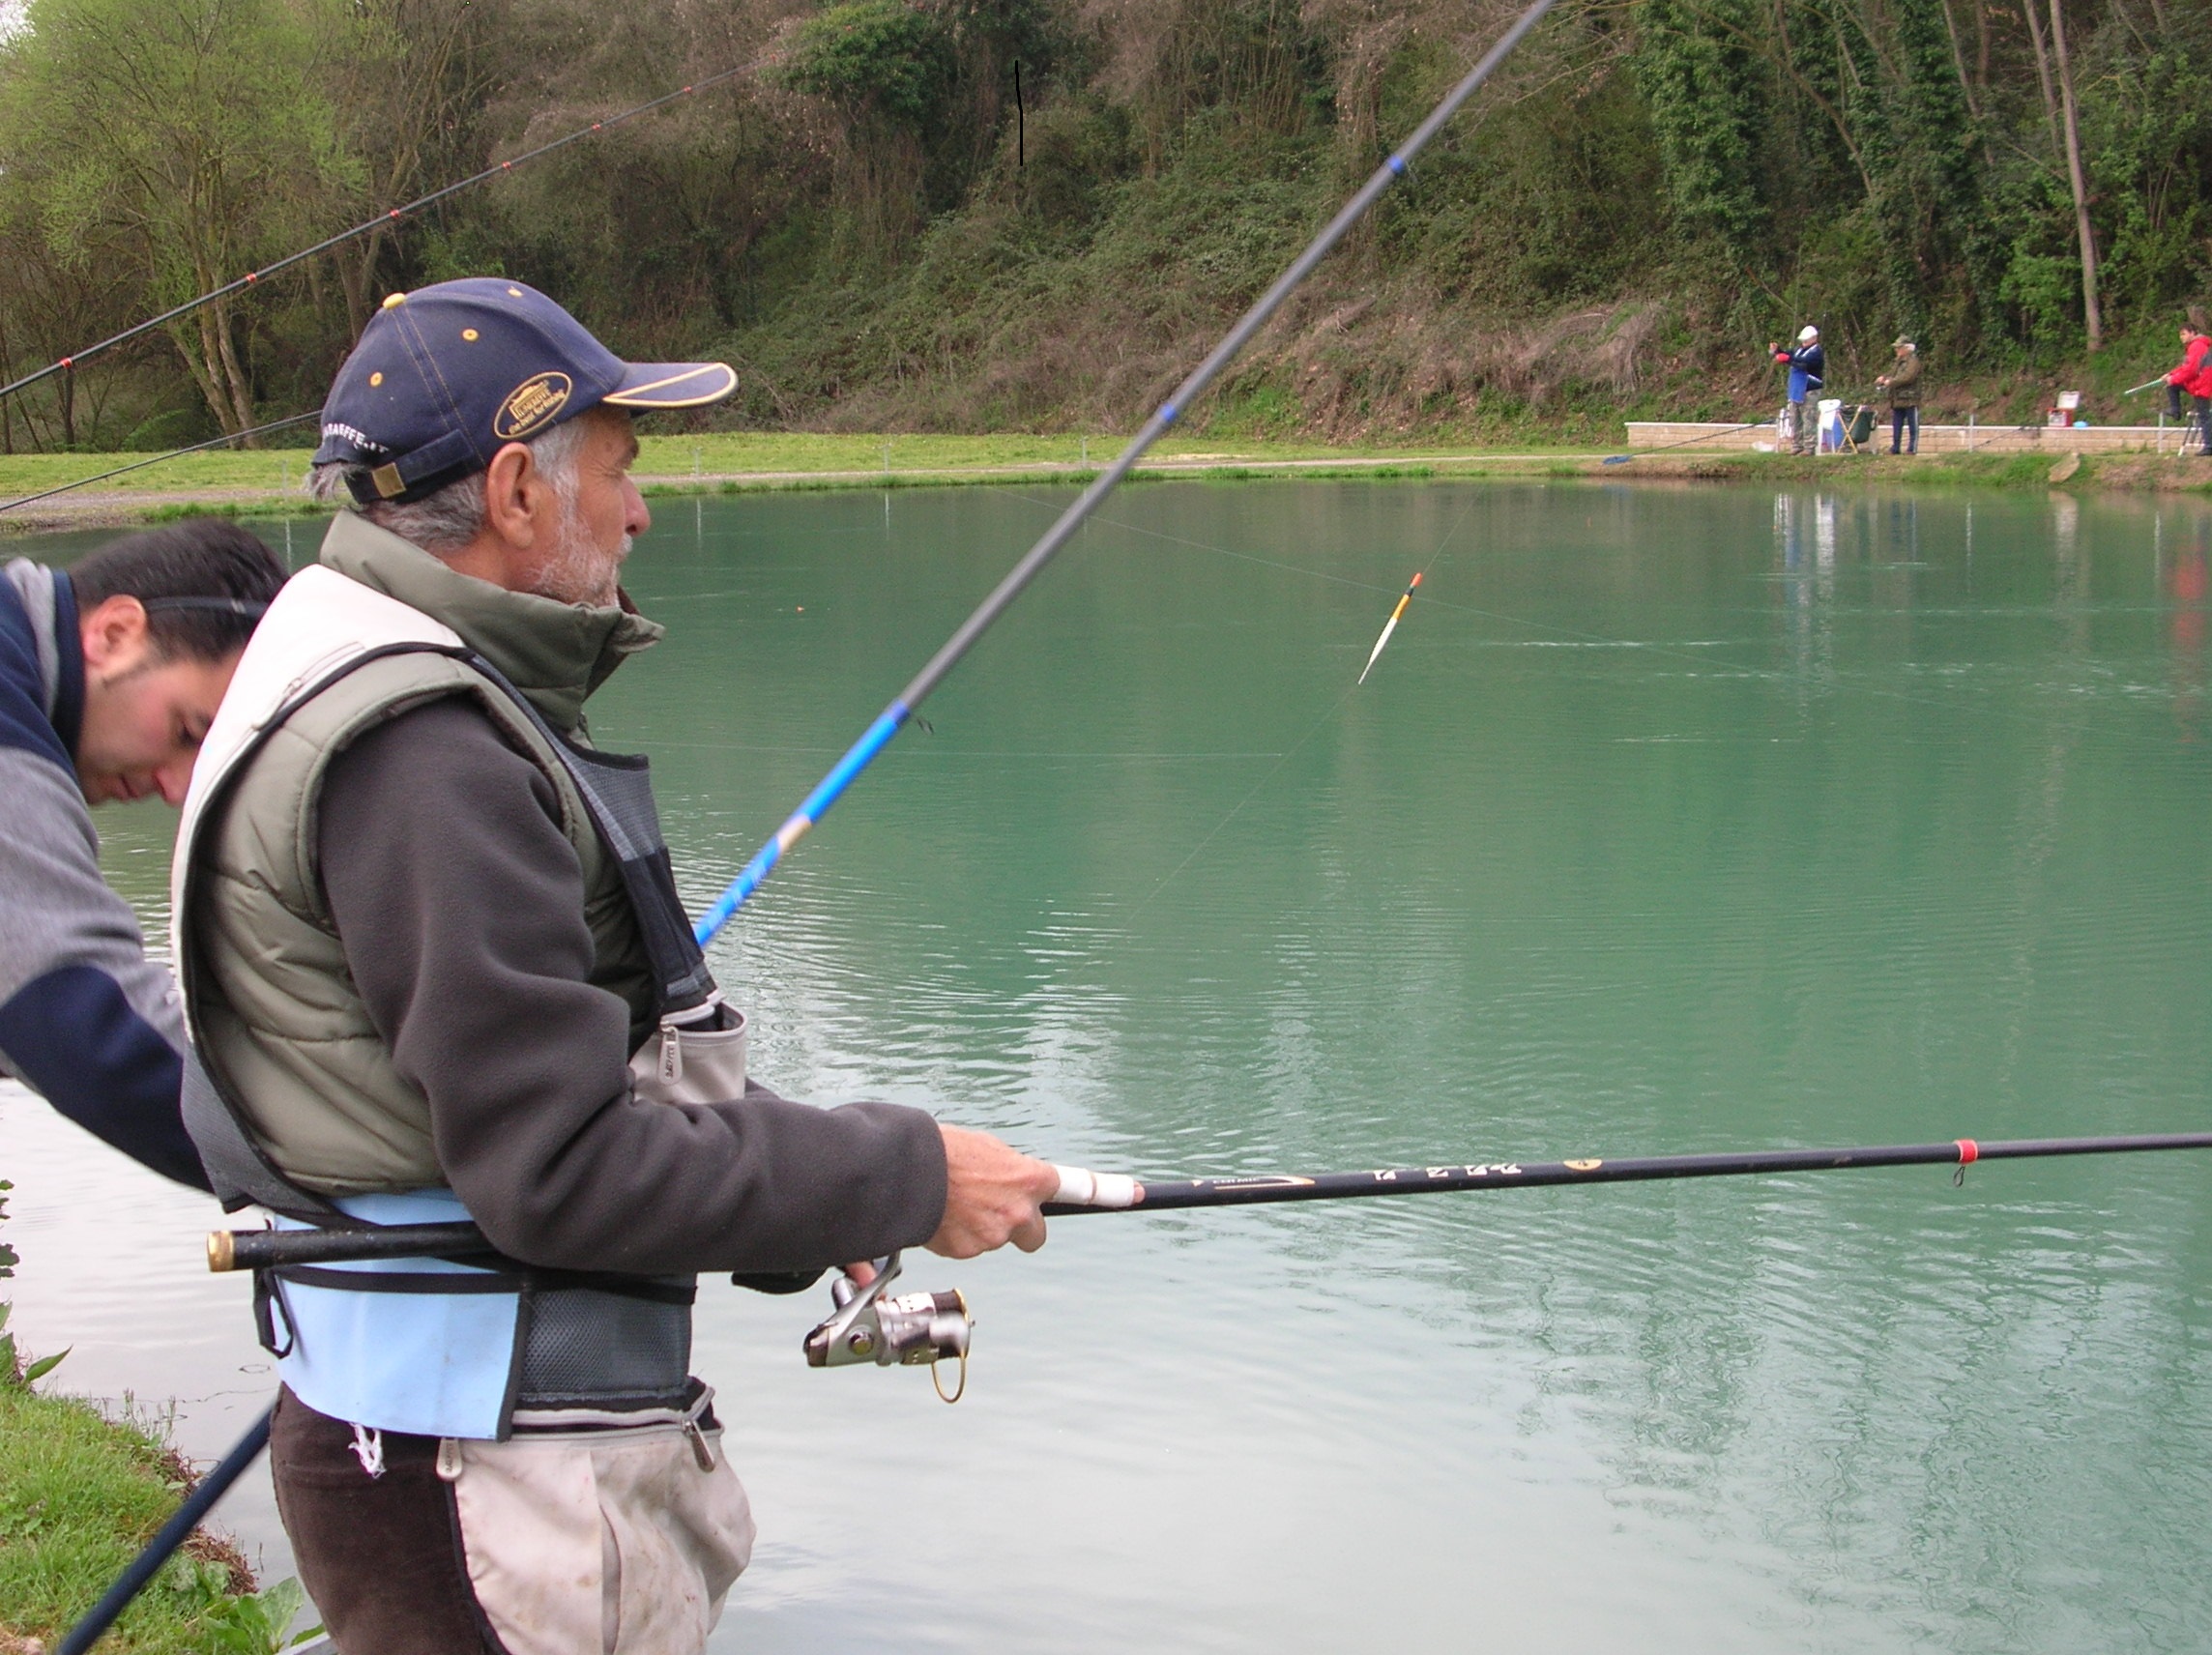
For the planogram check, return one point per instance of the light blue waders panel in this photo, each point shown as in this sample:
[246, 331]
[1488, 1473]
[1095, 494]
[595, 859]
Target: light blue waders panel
[426, 1363]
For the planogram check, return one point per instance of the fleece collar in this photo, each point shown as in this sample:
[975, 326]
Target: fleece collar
[555, 653]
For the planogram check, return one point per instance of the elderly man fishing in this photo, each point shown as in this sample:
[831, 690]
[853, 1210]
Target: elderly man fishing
[1902, 383]
[111, 673]
[436, 968]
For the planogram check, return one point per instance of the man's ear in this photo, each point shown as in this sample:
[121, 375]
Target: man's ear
[514, 491]
[113, 632]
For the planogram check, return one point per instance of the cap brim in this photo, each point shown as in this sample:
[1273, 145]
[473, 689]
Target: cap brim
[671, 385]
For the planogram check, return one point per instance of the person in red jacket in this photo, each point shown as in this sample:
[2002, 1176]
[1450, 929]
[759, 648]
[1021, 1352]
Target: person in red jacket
[2193, 379]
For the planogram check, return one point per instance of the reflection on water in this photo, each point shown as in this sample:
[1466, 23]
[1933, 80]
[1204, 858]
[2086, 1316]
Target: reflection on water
[1672, 819]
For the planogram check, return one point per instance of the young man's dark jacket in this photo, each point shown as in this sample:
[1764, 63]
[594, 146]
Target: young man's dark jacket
[85, 1018]
[462, 1009]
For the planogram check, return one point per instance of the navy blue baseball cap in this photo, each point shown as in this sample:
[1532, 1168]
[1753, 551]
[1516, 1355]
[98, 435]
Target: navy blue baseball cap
[444, 376]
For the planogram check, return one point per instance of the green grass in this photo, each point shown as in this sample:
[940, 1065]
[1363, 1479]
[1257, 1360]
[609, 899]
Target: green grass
[739, 462]
[715, 454]
[80, 1494]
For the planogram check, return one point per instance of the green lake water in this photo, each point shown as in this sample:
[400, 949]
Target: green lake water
[1673, 819]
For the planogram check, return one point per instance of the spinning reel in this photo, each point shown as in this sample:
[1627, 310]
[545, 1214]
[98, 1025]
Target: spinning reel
[911, 1330]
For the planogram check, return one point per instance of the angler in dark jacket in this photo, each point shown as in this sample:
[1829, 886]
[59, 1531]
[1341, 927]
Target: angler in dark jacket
[109, 673]
[1807, 364]
[1902, 383]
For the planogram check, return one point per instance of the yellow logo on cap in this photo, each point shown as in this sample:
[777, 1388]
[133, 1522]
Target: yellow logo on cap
[531, 404]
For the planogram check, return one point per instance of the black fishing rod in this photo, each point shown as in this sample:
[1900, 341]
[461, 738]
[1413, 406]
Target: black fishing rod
[1082, 1191]
[389, 216]
[174, 1533]
[1960, 1153]
[157, 460]
[1686, 442]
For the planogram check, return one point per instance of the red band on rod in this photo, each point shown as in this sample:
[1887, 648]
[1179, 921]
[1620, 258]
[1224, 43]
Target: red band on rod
[1968, 1154]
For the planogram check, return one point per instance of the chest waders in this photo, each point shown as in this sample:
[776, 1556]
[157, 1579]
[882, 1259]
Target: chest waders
[460, 1347]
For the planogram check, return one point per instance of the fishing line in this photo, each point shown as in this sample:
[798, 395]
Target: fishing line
[1207, 546]
[1327, 718]
[173, 454]
[894, 717]
[392, 214]
[1663, 650]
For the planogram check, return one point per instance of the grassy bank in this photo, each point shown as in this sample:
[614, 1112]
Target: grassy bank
[269, 482]
[723, 454]
[80, 1494]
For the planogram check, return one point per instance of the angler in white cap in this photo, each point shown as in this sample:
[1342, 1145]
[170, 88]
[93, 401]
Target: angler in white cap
[1807, 366]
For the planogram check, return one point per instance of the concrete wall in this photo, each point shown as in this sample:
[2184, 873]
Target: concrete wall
[1934, 439]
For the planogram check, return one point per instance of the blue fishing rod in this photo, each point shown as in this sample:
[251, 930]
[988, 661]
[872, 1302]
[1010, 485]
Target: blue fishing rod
[888, 724]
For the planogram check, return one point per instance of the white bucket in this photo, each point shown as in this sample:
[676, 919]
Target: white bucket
[1831, 424]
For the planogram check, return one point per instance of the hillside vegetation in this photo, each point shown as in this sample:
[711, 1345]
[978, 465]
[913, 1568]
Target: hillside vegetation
[882, 235]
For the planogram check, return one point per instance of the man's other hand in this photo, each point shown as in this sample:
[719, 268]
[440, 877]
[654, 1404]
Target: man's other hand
[993, 1195]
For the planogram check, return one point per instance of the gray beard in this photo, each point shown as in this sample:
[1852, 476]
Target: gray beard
[579, 573]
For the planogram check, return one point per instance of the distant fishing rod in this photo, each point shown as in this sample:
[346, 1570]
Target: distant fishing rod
[2147, 385]
[893, 717]
[1701, 437]
[1083, 1191]
[157, 460]
[254, 277]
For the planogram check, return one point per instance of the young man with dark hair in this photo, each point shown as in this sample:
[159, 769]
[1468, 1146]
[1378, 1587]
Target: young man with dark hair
[111, 673]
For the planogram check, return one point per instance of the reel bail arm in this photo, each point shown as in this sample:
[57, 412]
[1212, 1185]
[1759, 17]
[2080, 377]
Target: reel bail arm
[911, 1330]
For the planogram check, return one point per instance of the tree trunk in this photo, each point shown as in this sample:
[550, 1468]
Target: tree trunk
[2080, 183]
[7, 403]
[233, 372]
[1959, 60]
[2042, 75]
[196, 364]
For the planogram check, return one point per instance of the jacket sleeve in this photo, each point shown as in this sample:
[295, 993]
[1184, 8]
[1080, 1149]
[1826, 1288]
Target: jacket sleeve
[86, 1020]
[460, 905]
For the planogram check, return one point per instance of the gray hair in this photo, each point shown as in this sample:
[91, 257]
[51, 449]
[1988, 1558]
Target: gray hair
[446, 521]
